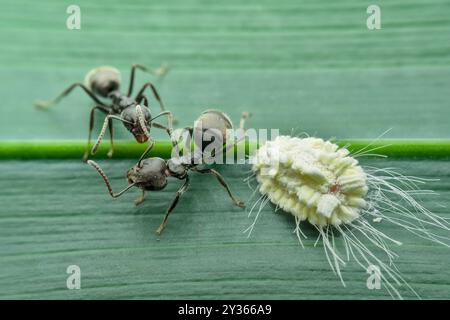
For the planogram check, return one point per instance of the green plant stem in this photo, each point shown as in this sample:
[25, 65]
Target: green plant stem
[74, 149]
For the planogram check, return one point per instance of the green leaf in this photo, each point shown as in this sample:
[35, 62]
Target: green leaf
[299, 66]
[58, 213]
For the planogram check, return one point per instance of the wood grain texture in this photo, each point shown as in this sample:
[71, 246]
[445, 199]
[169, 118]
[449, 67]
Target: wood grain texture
[308, 66]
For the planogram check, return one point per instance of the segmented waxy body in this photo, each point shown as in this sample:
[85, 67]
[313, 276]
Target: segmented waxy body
[313, 179]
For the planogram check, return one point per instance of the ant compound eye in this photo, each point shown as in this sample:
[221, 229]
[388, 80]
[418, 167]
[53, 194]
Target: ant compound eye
[131, 172]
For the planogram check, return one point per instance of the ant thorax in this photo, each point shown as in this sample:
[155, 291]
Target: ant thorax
[120, 101]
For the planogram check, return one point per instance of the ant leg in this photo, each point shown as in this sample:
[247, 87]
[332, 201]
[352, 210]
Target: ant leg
[111, 139]
[141, 199]
[162, 70]
[155, 94]
[172, 206]
[91, 127]
[178, 138]
[47, 104]
[169, 119]
[172, 139]
[108, 184]
[144, 99]
[241, 134]
[169, 128]
[103, 131]
[244, 116]
[219, 177]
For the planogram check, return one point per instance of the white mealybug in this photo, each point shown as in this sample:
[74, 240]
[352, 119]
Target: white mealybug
[312, 179]
[319, 182]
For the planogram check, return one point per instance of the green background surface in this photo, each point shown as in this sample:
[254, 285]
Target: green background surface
[306, 66]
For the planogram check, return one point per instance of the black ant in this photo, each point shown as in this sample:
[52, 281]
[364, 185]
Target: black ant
[105, 82]
[151, 174]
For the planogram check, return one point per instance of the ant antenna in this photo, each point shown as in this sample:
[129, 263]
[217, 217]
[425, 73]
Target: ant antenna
[103, 131]
[169, 129]
[108, 184]
[141, 120]
[147, 150]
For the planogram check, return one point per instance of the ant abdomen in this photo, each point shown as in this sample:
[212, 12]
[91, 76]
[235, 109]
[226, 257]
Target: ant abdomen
[103, 80]
[211, 126]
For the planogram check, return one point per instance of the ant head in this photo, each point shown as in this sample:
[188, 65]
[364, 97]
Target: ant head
[131, 116]
[103, 80]
[149, 174]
